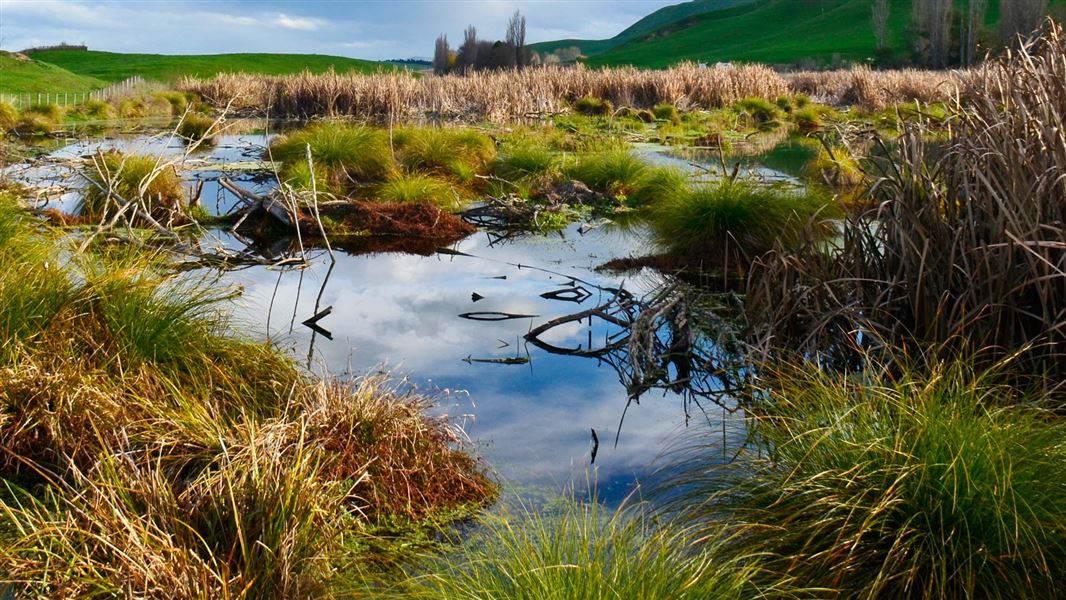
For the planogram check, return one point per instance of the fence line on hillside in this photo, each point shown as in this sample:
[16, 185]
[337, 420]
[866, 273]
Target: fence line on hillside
[67, 99]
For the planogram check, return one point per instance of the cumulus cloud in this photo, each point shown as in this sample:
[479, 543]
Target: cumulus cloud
[297, 23]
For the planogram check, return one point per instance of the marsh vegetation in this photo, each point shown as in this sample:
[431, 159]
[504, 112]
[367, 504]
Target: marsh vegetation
[879, 312]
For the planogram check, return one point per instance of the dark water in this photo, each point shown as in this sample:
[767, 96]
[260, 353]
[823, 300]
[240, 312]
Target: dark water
[531, 410]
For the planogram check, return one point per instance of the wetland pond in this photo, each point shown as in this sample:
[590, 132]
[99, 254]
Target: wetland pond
[571, 404]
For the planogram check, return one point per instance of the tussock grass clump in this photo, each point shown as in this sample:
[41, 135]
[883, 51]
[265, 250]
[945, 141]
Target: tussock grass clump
[9, 117]
[409, 188]
[31, 123]
[736, 221]
[197, 129]
[666, 112]
[585, 553]
[96, 109]
[518, 162]
[593, 107]
[808, 119]
[837, 165]
[52, 112]
[916, 486]
[351, 154]
[450, 152]
[147, 180]
[617, 173]
[762, 113]
[165, 457]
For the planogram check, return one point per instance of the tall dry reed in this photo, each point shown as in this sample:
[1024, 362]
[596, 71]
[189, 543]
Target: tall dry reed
[967, 244]
[866, 88]
[493, 96]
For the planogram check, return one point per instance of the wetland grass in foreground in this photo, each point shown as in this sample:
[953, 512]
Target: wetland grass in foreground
[149, 452]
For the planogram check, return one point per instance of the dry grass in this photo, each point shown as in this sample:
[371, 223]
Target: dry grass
[874, 90]
[967, 243]
[494, 96]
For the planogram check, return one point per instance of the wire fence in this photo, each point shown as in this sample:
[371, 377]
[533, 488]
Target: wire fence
[66, 99]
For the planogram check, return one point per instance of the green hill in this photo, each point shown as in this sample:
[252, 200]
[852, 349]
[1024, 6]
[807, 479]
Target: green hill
[768, 31]
[19, 75]
[661, 18]
[112, 67]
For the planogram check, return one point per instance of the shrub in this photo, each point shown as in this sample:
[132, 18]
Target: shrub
[735, 221]
[350, 154]
[917, 487]
[593, 107]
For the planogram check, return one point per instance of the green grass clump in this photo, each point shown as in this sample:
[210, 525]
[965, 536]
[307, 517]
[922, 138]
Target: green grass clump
[616, 173]
[96, 109]
[8, 117]
[516, 163]
[31, 124]
[350, 154]
[837, 166]
[808, 119]
[178, 101]
[666, 112]
[417, 187]
[458, 153]
[593, 107]
[133, 178]
[735, 221]
[196, 128]
[922, 486]
[764, 115]
[658, 185]
[52, 112]
[583, 553]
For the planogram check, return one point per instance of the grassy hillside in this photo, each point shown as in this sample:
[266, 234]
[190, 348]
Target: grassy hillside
[663, 17]
[110, 66]
[20, 76]
[772, 31]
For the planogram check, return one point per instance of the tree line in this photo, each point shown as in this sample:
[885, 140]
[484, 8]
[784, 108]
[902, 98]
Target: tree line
[478, 55]
[945, 33]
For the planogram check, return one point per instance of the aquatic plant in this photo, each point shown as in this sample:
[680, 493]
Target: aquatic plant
[118, 178]
[585, 552]
[940, 485]
[732, 222]
[351, 154]
[407, 188]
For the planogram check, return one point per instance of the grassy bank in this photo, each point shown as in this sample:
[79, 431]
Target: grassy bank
[21, 76]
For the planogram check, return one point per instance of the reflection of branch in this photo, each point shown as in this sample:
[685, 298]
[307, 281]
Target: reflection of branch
[318, 303]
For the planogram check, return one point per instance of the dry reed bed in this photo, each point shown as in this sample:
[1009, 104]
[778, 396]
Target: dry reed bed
[507, 95]
[966, 247]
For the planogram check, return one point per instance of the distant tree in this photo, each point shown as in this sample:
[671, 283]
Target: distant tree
[1020, 17]
[516, 39]
[971, 23]
[468, 51]
[932, 25]
[441, 58]
[879, 13]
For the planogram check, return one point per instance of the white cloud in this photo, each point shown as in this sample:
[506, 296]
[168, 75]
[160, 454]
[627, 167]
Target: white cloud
[297, 23]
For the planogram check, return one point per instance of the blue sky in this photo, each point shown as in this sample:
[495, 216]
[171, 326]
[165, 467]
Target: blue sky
[374, 29]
